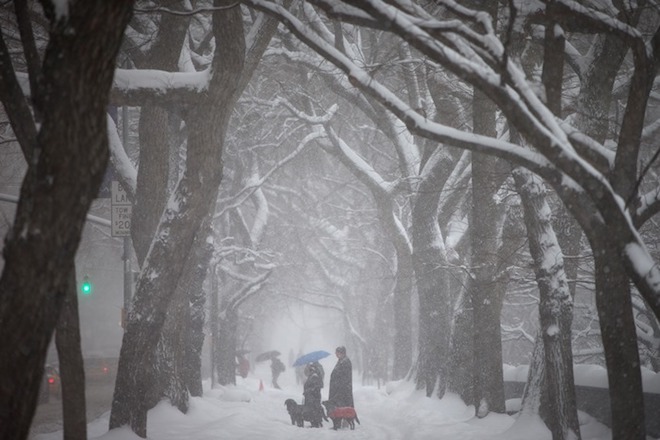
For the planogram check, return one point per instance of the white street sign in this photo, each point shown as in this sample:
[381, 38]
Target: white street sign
[121, 211]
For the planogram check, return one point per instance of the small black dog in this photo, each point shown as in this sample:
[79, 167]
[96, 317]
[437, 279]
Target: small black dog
[300, 413]
[295, 411]
[338, 414]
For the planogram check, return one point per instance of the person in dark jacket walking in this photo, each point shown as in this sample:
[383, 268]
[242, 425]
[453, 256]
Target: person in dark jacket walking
[340, 392]
[276, 367]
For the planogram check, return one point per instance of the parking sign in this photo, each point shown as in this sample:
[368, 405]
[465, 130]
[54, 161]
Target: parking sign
[121, 211]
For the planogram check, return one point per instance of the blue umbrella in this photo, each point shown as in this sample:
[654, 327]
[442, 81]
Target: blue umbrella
[310, 357]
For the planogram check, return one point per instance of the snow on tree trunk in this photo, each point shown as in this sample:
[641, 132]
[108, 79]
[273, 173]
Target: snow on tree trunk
[168, 364]
[555, 307]
[155, 134]
[195, 192]
[192, 367]
[533, 394]
[179, 351]
[68, 157]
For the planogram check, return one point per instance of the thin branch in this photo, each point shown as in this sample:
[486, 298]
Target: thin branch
[16, 104]
[183, 13]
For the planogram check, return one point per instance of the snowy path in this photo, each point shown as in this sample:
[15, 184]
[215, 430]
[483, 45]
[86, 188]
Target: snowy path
[245, 413]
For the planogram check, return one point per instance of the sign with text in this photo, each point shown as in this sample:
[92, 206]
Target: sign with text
[121, 211]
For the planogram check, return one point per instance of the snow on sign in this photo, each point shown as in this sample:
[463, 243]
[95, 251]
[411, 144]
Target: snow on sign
[121, 211]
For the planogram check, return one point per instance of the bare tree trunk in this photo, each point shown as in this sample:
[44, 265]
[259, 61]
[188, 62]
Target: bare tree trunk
[214, 317]
[227, 349]
[168, 364]
[72, 372]
[461, 358]
[555, 308]
[58, 188]
[402, 307]
[196, 191]
[617, 326]
[154, 137]
[192, 367]
[432, 275]
[533, 394]
[484, 286]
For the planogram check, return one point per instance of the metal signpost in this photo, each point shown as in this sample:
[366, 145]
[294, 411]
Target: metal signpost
[121, 227]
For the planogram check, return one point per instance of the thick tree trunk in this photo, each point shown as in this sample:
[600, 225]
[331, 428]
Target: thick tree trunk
[168, 380]
[484, 286]
[152, 179]
[434, 320]
[154, 137]
[63, 177]
[197, 190]
[432, 275]
[72, 372]
[192, 368]
[461, 358]
[402, 308]
[617, 326]
[214, 317]
[534, 392]
[176, 362]
[555, 308]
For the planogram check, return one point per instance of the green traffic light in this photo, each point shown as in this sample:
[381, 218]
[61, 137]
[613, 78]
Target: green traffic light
[86, 287]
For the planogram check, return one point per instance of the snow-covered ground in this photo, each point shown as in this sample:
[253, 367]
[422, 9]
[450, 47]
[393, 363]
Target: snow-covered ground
[395, 411]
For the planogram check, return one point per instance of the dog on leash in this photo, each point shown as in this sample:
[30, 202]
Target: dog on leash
[340, 413]
[300, 413]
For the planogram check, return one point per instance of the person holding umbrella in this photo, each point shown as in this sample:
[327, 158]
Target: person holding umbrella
[276, 367]
[312, 394]
[340, 392]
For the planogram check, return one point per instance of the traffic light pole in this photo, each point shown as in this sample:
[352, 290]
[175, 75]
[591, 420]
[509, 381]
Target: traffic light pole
[128, 280]
[128, 271]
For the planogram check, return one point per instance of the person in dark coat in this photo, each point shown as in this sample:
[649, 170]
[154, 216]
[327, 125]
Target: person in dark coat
[276, 367]
[312, 394]
[340, 392]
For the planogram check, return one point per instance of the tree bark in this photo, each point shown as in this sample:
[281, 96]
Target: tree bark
[196, 315]
[59, 186]
[72, 371]
[555, 307]
[432, 275]
[484, 285]
[226, 366]
[617, 327]
[196, 191]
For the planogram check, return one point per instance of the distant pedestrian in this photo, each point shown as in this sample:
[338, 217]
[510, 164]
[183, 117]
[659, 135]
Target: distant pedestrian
[242, 366]
[276, 368]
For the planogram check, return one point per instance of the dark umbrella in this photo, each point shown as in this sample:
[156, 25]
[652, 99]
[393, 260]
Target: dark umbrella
[267, 355]
[310, 357]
